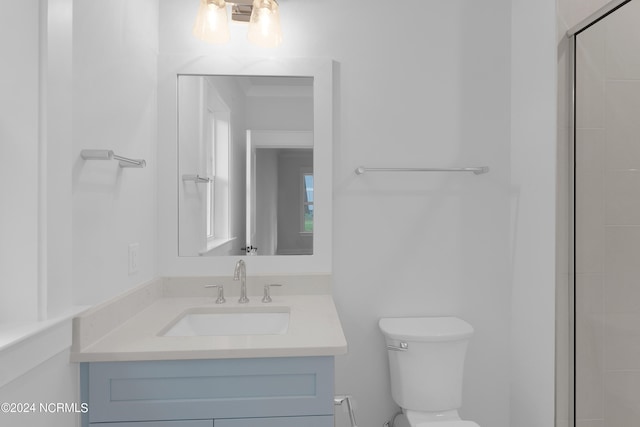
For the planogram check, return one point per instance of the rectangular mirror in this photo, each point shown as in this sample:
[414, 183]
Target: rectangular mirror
[245, 165]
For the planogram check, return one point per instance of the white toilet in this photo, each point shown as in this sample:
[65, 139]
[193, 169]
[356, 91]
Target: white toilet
[426, 360]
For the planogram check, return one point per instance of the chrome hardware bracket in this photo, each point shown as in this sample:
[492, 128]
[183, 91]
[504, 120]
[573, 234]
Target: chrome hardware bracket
[339, 400]
[124, 162]
[196, 178]
[402, 347]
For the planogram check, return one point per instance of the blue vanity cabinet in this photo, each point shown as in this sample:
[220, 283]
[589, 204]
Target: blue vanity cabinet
[320, 421]
[185, 423]
[260, 392]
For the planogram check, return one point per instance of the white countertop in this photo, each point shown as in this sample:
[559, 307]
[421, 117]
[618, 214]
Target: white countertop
[314, 330]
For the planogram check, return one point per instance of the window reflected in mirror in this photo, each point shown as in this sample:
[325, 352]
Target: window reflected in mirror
[307, 202]
[245, 165]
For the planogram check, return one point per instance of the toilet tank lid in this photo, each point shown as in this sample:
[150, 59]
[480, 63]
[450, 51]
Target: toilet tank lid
[425, 328]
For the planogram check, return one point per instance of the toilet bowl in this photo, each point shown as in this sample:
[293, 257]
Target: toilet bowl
[426, 363]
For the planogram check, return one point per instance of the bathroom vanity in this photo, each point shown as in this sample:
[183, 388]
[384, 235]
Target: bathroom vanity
[143, 370]
[260, 392]
[139, 368]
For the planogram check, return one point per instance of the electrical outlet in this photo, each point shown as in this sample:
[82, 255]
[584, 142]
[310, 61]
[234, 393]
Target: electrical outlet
[134, 257]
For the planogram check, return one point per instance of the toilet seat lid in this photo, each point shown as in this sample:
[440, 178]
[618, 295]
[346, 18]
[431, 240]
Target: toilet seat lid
[453, 423]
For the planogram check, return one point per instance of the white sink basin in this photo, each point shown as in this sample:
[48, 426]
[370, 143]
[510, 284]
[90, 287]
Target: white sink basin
[214, 321]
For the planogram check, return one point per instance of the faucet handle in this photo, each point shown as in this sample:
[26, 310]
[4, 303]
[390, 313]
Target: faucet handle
[220, 299]
[267, 294]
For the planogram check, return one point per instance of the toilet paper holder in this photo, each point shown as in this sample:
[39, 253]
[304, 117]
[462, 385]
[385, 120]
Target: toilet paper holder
[339, 400]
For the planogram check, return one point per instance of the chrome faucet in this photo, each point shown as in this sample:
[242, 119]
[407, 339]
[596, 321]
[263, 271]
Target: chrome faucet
[240, 273]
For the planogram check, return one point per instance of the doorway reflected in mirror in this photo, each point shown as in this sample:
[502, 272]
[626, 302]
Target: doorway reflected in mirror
[249, 140]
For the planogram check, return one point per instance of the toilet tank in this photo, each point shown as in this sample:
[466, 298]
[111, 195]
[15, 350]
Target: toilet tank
[427, 376]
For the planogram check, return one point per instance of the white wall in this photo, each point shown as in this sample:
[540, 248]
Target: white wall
[113, 91]
[193, 197]
[233, 96]
[432, 89]
[35, 262]
[533, 198]
[279, 113]
[56, 167]
[114, 107]
[196, 96]
[19, 119]
[55, 380]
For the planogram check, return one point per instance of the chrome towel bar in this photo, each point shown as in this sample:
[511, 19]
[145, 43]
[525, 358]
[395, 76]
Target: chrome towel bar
[195, 178]
[476, 170]
[124, 162]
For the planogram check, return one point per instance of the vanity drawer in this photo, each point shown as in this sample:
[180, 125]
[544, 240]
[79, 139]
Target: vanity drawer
[209, 389]
[321, 421]
[187, 423]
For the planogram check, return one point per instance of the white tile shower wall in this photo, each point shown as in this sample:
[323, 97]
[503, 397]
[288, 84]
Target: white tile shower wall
[590, 231]
[114, 107]
[589, 198]
[581, 9]
[622, 103]
[608, 222]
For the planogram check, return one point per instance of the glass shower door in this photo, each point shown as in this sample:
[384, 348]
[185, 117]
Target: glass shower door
[607, 221]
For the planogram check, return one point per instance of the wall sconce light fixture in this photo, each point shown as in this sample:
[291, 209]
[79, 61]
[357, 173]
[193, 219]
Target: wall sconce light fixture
[263, 16]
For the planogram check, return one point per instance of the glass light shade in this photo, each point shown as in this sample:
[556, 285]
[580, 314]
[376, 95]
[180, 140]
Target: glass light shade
[212, 24]
[264, 25]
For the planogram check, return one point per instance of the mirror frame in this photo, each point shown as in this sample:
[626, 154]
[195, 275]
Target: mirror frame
[169, 67]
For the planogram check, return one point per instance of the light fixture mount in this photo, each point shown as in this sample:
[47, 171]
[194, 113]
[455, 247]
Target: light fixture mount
[241, 10]
[262, 16]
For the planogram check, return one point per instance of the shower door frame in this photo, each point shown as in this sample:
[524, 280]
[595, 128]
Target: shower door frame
[594, 18]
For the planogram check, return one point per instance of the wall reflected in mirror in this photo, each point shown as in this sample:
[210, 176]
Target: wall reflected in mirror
[245, 165]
